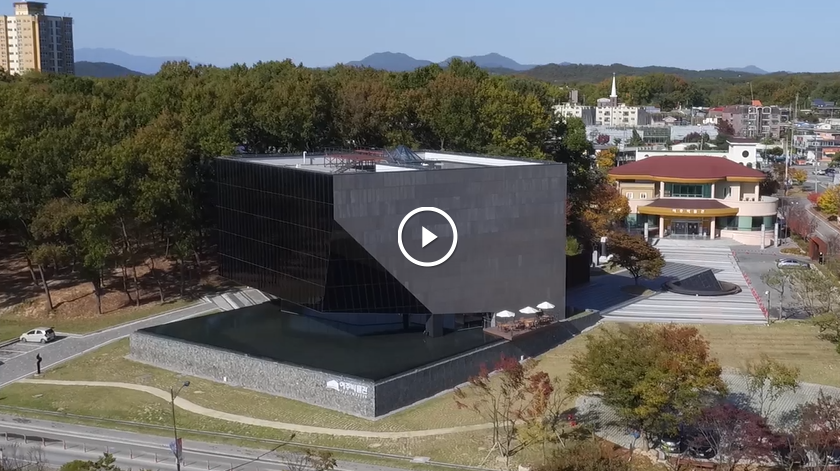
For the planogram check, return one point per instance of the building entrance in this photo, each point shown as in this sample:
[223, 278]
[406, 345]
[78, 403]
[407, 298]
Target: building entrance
[686, 228]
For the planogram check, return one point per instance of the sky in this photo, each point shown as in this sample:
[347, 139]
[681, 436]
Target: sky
[692, 35]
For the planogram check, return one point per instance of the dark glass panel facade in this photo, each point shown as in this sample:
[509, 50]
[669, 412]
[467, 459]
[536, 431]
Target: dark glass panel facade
[328, 242]
[276, 232]
[274, 227]
[358, 283]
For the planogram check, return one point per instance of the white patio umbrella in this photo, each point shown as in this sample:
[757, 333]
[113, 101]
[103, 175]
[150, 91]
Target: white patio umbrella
[505, 314]
[529, 310]
[545, 305]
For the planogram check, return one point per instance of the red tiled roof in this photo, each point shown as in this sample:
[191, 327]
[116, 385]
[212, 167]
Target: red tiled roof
[699, 167]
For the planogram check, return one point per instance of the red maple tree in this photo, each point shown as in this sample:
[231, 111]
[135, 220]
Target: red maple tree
[738, 436]
[522, 403]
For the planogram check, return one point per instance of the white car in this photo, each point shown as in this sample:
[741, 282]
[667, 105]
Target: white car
[39, 335]
[792, 263]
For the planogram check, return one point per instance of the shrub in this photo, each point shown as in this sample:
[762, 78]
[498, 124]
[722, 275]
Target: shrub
[792, 251]
[586, 456]
[573, 247]
[813, 197]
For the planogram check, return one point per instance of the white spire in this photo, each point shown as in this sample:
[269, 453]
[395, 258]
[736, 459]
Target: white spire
[613, 93]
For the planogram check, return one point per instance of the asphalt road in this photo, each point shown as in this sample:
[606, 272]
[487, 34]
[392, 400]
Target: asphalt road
[57, 443]
[23, 365]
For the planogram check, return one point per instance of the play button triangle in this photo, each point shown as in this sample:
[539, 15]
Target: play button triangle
[427, 237]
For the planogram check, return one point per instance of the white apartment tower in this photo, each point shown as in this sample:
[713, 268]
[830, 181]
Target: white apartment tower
[33, 40]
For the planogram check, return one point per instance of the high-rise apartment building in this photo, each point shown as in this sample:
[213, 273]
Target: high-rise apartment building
[33, 40]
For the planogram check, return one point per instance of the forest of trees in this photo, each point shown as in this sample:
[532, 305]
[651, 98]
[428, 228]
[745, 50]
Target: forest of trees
[102, 176]
[669, 90]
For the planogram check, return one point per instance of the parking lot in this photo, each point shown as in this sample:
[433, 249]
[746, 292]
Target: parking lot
[17, 349]
[754, 263]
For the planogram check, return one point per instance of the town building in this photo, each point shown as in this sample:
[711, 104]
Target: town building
[821, 144]
[741, 151]
[367, 318]
[754, 120]
[698, 196]
[32, 40]
[573, 110]
[610, 112]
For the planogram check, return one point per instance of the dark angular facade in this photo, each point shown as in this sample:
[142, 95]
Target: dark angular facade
[328, 241]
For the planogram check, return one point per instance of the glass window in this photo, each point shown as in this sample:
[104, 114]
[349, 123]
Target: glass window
[629, 196]
[687, 191]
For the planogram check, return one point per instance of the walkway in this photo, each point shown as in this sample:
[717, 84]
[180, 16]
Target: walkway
[55, 353]
[605, 421]
[685, 258]
[241, 419]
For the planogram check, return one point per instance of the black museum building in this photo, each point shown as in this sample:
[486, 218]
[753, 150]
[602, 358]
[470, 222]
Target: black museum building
[356, 323]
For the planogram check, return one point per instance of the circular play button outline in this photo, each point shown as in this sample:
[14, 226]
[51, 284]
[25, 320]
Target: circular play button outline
[427, 209]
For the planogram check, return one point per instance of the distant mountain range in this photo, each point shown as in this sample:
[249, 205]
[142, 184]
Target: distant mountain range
[750, 69]
[104, 63]
[399, 62]
[142, 64]
[102, 70]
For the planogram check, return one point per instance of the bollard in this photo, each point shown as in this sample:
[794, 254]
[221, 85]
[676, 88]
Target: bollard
[64, 444]
[84, 447]
[156, 457]
[24, 439]
[131, 453]
[208, 464]
[107, 449]
[43, 441]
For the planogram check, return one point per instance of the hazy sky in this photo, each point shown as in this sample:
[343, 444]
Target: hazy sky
[695, 35]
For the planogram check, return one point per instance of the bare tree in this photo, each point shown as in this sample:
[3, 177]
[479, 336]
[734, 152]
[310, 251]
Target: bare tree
[767, 381]
[819, 427]
[778, 280]
[14, 458]
[814, 289]
[310, 460]
[800, 220]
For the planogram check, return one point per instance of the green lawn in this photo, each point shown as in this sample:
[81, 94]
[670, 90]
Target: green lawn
[140, 407]
[794, 343]
[12, 326]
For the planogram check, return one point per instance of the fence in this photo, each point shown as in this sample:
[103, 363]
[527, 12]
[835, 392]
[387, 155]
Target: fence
[226, 436]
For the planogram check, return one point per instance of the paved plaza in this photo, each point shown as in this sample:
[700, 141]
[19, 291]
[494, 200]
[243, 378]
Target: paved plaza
[684, 258]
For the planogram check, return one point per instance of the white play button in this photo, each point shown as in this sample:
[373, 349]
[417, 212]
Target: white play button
[427, 237]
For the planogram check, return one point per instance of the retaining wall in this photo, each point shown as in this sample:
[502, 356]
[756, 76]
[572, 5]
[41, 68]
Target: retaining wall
[355, 396]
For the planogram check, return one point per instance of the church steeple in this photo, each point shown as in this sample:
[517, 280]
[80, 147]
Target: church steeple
[613, 93]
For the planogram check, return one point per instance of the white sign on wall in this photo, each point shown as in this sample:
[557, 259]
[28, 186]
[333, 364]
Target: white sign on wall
[352, 389]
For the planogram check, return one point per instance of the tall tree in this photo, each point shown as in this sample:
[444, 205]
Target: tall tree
[653, 377]
[635, 254]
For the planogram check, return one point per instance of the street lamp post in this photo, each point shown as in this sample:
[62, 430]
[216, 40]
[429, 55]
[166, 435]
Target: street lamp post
[767, 293]
[174, 393]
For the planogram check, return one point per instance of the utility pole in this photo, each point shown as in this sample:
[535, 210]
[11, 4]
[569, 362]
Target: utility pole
[790, 146]
[177, 449]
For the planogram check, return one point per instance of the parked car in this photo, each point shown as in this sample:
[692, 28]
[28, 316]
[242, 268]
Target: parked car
[671, 444]
[819, 172]
[790, 456]
[39, 335]
[830, 171]
[700, 446]
[792, 263]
